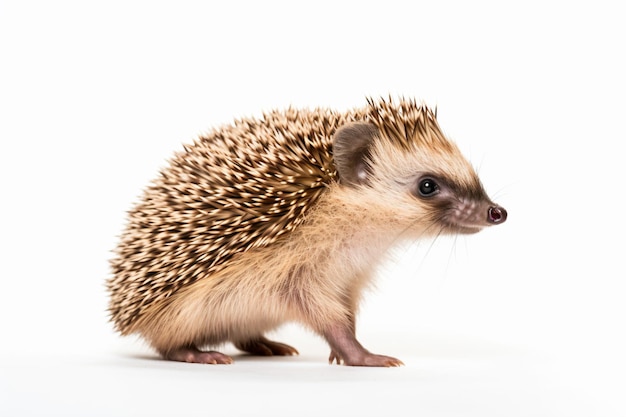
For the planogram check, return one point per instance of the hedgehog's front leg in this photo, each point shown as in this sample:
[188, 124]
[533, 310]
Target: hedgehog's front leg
[346, 348]
[341, 335]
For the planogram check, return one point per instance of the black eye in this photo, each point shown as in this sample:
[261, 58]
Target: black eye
[427, 187]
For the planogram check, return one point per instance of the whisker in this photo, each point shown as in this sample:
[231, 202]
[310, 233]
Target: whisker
[418, 221]
[501, 192]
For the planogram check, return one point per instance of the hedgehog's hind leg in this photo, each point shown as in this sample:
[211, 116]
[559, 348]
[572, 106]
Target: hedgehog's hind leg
[263, 347]
[192, 354]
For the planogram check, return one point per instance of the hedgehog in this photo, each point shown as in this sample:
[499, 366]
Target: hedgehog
[284, 218]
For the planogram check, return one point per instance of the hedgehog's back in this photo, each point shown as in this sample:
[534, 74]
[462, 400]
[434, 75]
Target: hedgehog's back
[239, 187]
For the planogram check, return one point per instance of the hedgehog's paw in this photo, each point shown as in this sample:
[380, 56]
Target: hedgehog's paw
[193, 355]
[334, 357]
[367, 359]
[376, 360]
[264, 347]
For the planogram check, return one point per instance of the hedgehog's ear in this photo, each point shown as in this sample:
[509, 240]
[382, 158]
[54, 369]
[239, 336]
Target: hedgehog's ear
[351, 146]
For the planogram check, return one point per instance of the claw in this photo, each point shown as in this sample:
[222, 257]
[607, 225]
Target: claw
[334, 357]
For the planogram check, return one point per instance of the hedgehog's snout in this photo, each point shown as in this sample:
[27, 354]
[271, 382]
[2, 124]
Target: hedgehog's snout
[496, 215]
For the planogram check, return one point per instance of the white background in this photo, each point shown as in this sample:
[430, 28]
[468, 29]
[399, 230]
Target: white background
[523, 319]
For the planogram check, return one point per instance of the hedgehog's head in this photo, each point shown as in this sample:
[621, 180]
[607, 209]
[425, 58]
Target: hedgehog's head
[398, 158]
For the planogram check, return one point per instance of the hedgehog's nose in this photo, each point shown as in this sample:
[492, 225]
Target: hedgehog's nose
[496, 215]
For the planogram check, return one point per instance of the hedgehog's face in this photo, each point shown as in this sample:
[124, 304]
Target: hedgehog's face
[456, 209]
[428, 184]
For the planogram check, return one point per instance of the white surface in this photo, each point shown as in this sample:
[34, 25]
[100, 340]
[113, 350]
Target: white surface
[441, 377]
[524, 319]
